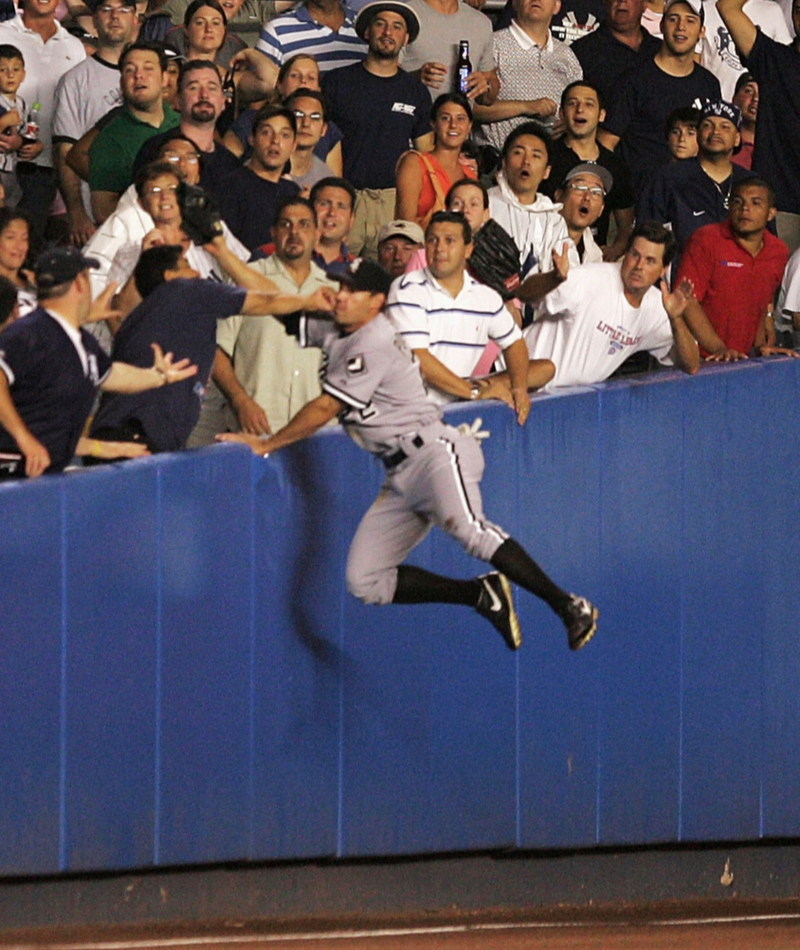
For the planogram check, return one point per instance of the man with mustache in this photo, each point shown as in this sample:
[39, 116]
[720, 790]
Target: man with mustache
[201, 102]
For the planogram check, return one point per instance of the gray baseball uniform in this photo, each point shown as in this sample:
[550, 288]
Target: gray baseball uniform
[433, 471]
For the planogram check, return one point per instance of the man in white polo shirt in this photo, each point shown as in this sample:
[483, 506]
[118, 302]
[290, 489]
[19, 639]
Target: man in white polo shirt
[598, 317]
[447, 317]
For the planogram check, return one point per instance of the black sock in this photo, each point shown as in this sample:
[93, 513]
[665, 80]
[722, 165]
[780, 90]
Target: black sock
[417, 586]
[518, 566]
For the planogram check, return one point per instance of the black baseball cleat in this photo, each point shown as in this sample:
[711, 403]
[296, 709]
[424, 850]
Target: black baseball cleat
[496, 603]
[580, 619]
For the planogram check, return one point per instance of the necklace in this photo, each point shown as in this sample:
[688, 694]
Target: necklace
[726, 196]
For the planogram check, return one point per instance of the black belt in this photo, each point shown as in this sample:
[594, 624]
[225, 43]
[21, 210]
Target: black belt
[393, 460]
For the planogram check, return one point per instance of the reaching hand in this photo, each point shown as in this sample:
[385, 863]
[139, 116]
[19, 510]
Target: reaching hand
[675, 302]
[102, 309]
[172, 372]
[258, 445]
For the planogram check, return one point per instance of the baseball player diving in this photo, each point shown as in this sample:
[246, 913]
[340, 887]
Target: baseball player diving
[371, 381]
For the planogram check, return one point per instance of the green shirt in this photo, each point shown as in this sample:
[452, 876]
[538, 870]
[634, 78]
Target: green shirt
[113, 151]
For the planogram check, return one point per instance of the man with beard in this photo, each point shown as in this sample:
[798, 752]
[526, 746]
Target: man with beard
[736, 266]
[84, 95]
[379, 107]
[264, 374]
[201, 102]
[697, 191]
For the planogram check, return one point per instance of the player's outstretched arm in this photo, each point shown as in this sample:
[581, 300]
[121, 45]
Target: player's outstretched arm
[312, 417]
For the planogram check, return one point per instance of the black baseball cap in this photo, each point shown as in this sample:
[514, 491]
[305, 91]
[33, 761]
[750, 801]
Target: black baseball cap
[61, 265]
[364, 275]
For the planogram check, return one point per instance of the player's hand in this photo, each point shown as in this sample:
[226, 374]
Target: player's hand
[561, 263]
[776, 351]
[30, 150]
[37, 458]
[522, 404]
[725, 354]
[258, 445]
[323, 299]
[251, 416]
[173, 372]
[675, 302]
[433, 74]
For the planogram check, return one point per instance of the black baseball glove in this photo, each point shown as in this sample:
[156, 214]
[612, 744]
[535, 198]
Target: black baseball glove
[495, 259]
[200, 215]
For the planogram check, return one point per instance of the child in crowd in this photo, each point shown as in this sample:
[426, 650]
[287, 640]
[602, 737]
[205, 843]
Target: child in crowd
[681, 133]
[12, 116]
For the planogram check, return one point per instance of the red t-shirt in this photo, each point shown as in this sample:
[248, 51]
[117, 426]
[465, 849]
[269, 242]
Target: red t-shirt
[733, 287]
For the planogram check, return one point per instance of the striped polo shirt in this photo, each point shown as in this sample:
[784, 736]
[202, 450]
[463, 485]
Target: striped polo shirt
[454, 330]
[296, 32]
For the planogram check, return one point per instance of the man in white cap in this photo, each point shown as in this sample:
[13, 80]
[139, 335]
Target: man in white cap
[397, 242]
[379, 108]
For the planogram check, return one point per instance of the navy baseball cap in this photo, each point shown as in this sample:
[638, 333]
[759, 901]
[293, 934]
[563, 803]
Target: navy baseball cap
[364, 275]
[722, 110]
[61, 265]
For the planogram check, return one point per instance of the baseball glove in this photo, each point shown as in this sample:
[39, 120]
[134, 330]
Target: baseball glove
[495, 259]
[200, 215]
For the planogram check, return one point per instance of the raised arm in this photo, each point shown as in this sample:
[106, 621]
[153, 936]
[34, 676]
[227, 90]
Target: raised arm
[125, 378]
[685, 350]
[741, 27]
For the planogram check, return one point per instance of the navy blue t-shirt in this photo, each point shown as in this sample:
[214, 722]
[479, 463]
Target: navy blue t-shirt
[777, 151]
[640, 104]
[49, 387]
[248, 204]
[379, 117]
[215, 165]
[181, 316]
[604, 58]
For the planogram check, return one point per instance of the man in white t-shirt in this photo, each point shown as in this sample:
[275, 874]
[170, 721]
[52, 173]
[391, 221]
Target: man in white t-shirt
[604, 313]
[447, 317]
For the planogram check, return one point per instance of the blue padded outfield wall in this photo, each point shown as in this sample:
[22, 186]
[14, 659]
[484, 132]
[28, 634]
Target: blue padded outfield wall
[184, 680]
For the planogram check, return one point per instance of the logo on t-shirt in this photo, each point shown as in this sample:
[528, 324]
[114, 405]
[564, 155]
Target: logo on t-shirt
[404, 107]
[356, 366]
[725, 49]
[618, 337]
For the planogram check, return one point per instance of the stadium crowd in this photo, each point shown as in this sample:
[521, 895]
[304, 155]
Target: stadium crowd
[563, 191]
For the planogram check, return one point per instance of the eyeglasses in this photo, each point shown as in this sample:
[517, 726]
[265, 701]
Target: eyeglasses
[107, 10]
[177, 159]
[592, 189]
[314, 116]
[158, 190]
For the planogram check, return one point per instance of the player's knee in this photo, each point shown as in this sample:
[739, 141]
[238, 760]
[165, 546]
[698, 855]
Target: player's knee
[371, 587]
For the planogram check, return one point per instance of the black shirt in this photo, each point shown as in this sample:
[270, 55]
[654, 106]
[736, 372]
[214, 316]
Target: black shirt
[604, 58]
[562, 159]
[181, 316]
[640, 104]
[777, 150]
[574, 20]
[248, 204]
[379, 117]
